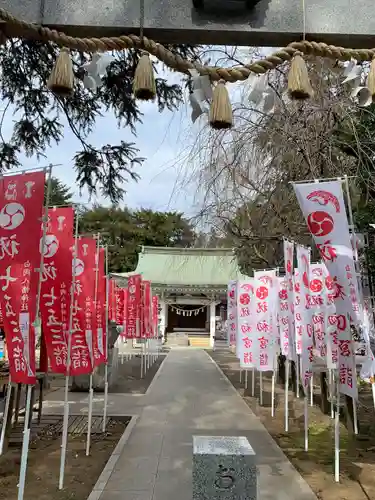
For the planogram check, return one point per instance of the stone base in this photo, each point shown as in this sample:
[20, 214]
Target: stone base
[223, 469]
[81, 383]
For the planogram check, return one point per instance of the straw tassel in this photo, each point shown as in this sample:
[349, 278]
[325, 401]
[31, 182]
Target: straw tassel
[299, 86]
[144, 86]
[371, 79]
[221, 116]
[61, 80]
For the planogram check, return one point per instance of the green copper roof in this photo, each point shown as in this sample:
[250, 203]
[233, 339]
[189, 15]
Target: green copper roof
[187, 266]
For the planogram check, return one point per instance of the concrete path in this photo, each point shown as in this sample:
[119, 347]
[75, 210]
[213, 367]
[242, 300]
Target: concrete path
[190, 396]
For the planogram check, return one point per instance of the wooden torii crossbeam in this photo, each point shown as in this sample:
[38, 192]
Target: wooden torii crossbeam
[268, 23]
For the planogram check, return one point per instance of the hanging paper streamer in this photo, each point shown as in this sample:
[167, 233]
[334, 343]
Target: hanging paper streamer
[187, 312]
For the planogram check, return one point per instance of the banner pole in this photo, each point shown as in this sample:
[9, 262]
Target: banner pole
[337, 434]
[25, 445]
[26, 427]
[360, 291]
[106, 339]
[253, 382]
[91, 389]
[261, 388]
[273, 394]
[306, 421]
[287, 365]
[312, 390]
[5, 415]
[64, 438]
[297, 374]
[245, 379]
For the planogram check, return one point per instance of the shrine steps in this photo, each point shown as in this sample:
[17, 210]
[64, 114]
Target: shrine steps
[202, 341]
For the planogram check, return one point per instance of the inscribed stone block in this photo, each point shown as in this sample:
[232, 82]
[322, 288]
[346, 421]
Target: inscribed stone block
[224, 468]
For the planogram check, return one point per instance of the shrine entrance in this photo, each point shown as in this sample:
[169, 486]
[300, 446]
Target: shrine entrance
[189, 318]
[192, 287]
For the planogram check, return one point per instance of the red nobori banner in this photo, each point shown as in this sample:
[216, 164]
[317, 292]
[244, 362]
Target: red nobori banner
[56, 285]
[134, 307]
[112, 300]
[99, 340]
[119, 305]
[84, 316]
[21, 211]
[155, 315]
[126, 299]
[147, 309]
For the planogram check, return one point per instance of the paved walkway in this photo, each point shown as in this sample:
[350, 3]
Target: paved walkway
[189, 397]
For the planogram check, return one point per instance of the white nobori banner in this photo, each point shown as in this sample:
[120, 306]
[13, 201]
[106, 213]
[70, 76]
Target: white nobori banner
[306, 328]
[323, 207]
[231, 313]
[288, 263]
[245, 326]
[265, 322]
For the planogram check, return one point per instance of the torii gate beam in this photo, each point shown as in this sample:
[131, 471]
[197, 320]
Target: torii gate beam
[348, 23]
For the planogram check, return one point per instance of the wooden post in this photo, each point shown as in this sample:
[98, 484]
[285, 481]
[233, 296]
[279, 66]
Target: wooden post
[324, 402]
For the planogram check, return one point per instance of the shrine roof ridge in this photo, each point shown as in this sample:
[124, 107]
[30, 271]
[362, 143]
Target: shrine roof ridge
[195, 251]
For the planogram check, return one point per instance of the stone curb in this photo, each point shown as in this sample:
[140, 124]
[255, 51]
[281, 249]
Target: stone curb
[103, 479]
[156, 376]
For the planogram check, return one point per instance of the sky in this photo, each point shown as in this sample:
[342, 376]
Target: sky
[163, 139]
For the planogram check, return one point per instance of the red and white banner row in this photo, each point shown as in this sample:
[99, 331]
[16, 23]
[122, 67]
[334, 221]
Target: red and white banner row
[39, 264]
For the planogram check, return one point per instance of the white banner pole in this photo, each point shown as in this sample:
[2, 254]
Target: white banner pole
[107, 342]
[64, 438]
[337, 435]
[5, 415]
[297, 374]
[253, 382]
[261, 388]
[25, 445]
[91, 389]
[312, 390]
[286, 373]
[273, 394]
[28, 409]
[306, 422]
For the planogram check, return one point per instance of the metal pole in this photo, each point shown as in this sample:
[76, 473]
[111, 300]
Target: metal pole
[106, 340]
[68, 360]
[26, 428]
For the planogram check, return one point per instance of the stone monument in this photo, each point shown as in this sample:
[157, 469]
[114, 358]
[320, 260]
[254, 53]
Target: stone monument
[223, 468]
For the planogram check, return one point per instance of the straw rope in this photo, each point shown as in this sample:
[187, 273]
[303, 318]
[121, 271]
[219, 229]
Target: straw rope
[32, 31]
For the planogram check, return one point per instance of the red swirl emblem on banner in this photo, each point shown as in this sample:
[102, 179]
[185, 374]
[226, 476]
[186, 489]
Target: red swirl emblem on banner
[320, 223]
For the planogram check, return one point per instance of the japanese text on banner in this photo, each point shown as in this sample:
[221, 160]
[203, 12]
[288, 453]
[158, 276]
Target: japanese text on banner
[84, 316]
[244, 336]
[134, 301]
[265, 334]
[306, 328]
[288, 262]
[318, 305]
[99, 340]
[324, 210]
[56, 286]
[232, 313]
[20, 219]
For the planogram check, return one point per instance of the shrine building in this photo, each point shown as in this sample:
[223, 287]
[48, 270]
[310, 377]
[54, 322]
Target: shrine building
[192, 287]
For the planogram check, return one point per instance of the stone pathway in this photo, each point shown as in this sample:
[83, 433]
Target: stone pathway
[190, 396]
